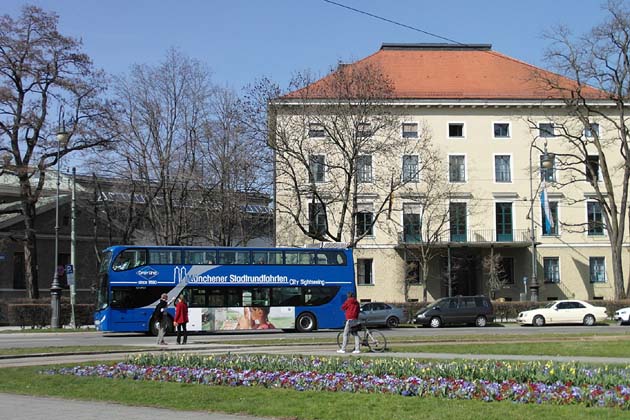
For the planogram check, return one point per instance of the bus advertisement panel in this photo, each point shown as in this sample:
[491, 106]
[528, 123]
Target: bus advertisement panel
[226, 288]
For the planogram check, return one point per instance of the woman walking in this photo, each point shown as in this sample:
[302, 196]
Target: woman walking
[181, 319]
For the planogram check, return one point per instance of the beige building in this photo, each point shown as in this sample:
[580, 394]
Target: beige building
[489, 120]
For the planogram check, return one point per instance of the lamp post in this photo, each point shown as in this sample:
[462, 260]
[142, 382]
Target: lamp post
[545, 164]
[55, 288]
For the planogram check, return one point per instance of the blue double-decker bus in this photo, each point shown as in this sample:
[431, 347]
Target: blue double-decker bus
[225, 288]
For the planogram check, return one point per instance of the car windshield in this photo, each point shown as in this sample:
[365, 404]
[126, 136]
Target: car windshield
[550, 305]
[434, 304]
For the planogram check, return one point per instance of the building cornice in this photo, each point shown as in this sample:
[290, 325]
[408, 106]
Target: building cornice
[446, 103]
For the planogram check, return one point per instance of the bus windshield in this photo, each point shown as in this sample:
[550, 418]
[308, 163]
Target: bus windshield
[295, 288]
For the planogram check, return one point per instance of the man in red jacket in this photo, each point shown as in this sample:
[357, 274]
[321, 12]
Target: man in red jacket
[351, 309]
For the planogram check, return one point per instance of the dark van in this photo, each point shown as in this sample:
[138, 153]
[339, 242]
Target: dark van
[475, 310]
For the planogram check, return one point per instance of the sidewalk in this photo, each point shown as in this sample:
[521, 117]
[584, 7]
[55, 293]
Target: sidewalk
[23, 407]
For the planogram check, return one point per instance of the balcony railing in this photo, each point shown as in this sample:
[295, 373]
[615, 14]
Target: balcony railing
[470, 236]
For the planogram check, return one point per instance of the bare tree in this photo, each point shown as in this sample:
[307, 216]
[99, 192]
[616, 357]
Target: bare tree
[40, 70]
[329, 139]
[232, 174]
[161, 126]
[493, 266]
[599, 59]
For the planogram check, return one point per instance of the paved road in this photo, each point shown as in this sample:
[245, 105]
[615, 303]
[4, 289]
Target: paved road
[92, 338]
[20, 407]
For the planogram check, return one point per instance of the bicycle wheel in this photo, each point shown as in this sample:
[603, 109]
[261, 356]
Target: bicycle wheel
[340, 339]
[376, 341]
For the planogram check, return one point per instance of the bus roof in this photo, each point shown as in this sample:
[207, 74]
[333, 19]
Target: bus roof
[323, 245]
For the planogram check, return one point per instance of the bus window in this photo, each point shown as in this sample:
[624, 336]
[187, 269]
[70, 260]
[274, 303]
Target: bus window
[130, 258]
[330, 258]
[200, 257]
[157, 256]
[233, 257]
[314, 296]
[286, 296]
[197, 297]
[267, 257]
[300, 257]
[258, 296]
[105, 260]
[136, 297]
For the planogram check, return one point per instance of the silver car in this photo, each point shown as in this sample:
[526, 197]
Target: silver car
[378, 313]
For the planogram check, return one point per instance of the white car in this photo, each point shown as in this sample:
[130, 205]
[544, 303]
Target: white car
[564, 312]
[623, 316]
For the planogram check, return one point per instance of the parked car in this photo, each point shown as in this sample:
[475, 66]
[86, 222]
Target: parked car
[378, 313]
[623, 316]
[475, 310]
[564, 312]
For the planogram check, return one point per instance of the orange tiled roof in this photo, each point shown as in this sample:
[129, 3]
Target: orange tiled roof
[444, 71]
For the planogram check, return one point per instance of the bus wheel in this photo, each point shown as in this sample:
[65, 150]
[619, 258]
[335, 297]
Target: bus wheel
[305, 322]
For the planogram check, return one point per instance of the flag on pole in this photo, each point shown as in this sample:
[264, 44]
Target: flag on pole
[547, 217]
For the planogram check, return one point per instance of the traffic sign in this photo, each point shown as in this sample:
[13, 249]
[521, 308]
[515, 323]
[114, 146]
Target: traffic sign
[70, 274]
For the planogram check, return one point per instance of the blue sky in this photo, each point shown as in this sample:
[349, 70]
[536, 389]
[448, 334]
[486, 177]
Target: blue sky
[242, 40]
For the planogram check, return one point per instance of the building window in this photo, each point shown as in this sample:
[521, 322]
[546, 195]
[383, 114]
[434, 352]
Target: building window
[317, 168]
[365, 220]
[501, 130]
[547, 174]
[364, 272]
[410, 168]
[597, 269]
[316, 130]
[551, 268]
[457, 221]
[594, 218]
[592, 168]
[507, 272]
[549, 229]
[364, 130]
[410, 130]
[364, 168]
[502, 169]
[457, 168]
[456, 130]
[546, 130]
[317, 223]
[504, 222]
[412, 214]
[592, 131]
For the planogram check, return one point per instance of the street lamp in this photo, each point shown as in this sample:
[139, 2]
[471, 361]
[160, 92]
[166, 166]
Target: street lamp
[55, 288]
[545, 164]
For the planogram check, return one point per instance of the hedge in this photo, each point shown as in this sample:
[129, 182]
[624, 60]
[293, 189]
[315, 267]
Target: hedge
[37, 314]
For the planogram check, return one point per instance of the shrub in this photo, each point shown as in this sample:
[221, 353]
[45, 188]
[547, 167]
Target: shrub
[37, 313]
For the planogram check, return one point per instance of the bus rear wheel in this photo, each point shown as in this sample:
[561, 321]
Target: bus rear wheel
[305, 322]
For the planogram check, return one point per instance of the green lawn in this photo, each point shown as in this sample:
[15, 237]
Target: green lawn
[558, 347]
[258, 401]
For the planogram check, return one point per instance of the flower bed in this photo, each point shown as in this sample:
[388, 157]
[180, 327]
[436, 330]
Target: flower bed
[522, 382]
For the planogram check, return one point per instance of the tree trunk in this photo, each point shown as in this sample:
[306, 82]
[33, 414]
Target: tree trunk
[30, 249]
[617, 264]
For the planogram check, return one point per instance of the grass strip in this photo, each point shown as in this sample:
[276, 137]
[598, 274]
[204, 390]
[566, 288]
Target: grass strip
[66, 349]
[608, 348]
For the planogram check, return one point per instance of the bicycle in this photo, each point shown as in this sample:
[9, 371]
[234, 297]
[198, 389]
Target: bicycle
[372, 339]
